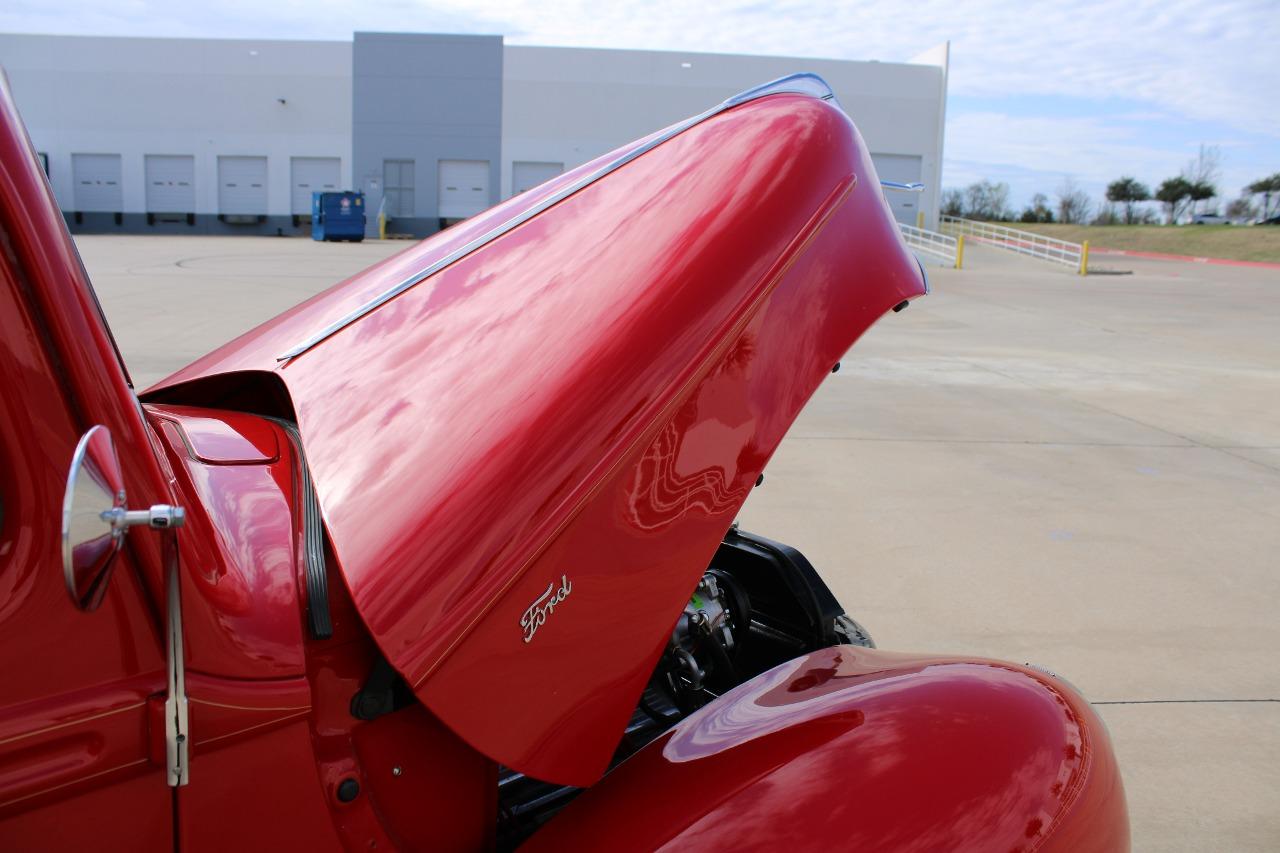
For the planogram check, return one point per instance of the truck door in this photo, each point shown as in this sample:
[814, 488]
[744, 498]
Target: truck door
[82, 750]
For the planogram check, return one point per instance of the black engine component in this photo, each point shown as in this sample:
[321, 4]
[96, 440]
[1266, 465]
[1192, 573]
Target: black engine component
[384, 691]
[760, 603]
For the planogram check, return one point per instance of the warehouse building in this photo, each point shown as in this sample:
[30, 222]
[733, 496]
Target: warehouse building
[232, 136]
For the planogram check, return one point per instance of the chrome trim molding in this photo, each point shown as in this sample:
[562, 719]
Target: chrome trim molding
[899, 187]
[176, 720]
[924, 275]
[68, 500]
[795, 84]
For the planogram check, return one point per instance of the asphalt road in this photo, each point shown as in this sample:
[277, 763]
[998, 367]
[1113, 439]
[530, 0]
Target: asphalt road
[1078, 473]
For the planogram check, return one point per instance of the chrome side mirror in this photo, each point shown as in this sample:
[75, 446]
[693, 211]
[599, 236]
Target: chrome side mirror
[95, 520]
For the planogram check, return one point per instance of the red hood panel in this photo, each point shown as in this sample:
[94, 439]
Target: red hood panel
[526, 461]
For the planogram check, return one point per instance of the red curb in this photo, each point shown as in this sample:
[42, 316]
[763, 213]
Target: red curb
[1161, 256]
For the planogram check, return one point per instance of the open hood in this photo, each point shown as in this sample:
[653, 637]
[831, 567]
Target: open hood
[529, 433]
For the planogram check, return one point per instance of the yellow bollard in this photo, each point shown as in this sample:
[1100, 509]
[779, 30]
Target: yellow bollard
[1084, 258]
[960, 252]
[920, 219]
[382, 226]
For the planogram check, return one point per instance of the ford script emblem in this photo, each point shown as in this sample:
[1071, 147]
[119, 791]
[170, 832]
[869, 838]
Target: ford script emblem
[544, 606]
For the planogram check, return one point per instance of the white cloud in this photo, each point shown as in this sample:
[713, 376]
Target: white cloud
[1203, 60]
[1184, 60]
[1091, 149]
[1034, 153]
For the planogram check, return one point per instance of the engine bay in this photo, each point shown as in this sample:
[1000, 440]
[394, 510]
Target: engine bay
[758, 604]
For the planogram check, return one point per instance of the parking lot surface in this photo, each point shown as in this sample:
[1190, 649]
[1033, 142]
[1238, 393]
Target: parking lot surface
[1082, 473]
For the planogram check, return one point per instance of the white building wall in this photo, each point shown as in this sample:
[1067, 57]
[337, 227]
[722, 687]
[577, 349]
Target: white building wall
[570, 105]
[207, 98]
[940, 57]
[283, 99]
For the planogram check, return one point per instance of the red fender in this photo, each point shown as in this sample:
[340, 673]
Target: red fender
[860, 749]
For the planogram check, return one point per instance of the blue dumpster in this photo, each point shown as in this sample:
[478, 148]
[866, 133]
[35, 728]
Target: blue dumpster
[337, 216]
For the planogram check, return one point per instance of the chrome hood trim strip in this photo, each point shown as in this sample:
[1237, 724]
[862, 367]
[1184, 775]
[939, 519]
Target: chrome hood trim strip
[806, 83]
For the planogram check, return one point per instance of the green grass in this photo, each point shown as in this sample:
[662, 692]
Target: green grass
[1235, 242]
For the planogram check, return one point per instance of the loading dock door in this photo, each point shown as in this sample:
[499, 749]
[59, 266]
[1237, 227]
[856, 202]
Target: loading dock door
[397, 188]
[171, 183]
[464, 188]
[97, 183]
[242, 185]
[312, 174]
[904, 168]
[526, 175]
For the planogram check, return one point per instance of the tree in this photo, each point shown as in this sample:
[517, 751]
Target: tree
[1038, 211]
[1174, 194]
[1073, 203]
[1127, 191]
[1266, 187]
[1107, 216]
[985, 200]
[953, 202]
[1200, 191]
[1241, 210]
[1203, 173]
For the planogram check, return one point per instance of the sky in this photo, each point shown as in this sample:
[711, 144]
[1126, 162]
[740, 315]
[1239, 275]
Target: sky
[1038, 92]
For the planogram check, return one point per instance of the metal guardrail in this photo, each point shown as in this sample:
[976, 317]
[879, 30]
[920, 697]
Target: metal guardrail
[1074, 255]
[941, 246]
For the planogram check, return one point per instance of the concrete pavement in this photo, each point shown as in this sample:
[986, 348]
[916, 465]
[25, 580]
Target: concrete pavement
[1079, 473]
[1084, 474]
[170, 300]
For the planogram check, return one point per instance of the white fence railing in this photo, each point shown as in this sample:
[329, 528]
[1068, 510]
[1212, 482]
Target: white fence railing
[1074, 255]
[941, 246]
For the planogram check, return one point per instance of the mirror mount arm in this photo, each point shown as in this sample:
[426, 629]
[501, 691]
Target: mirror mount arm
[158, 517]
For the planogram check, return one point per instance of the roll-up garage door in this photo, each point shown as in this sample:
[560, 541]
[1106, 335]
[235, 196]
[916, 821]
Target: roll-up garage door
[97, 183]
[526, 175]
[906, 169]
[171, 183]
[312, 175]
[397, 188]
[242, 185]
[464, 188]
